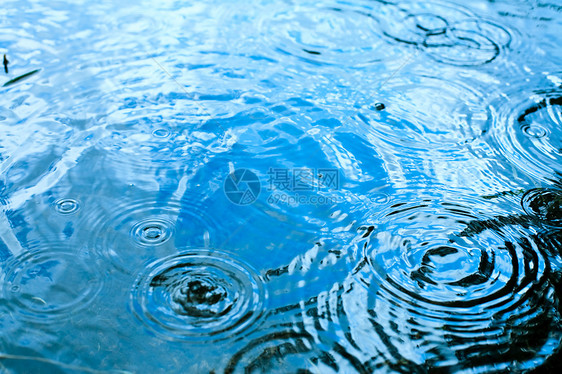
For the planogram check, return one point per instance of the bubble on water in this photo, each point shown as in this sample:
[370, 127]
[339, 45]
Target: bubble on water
[199, 295]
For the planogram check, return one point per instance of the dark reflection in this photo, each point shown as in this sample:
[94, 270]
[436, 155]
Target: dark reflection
[312, 52]
[451, 35]
[522, 119]
[542, 205]
[198, 295]
[533, 123]
[545, 204]
[423, 273]
[483, 297]
[278, 352]
[146, 148]
[195, 296]
[543, 219]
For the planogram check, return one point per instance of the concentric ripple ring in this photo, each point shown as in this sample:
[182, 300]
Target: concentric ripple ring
[49, 286]
[449, 34]
[67, 206]
[544, 204]
[198, 295]
[532, 140]
[469, 288]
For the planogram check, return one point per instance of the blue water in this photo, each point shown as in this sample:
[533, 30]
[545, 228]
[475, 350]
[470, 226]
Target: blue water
[281, 187]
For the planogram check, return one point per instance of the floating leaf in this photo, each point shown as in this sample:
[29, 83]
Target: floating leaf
[21, 77]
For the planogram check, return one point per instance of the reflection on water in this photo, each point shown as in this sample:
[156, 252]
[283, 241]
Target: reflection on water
[408, 216]
[470, 289]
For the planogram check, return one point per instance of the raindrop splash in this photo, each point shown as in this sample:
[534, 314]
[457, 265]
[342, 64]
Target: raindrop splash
[199, 296]
[67, 206]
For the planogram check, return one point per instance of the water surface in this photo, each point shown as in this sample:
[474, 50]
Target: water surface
[278, 186]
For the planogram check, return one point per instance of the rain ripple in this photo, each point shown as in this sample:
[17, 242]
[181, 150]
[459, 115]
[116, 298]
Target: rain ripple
[67, 206]
[289, 350]
[153, 144]
[49, 284]
[128, 234]
[436, 113]
[199, 295]
[450, 34]
[527, 131]
[544, 204]
[325, 35]
[441, 295]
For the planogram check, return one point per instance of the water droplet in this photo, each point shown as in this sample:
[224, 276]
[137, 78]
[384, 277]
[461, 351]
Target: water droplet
[379, 106]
